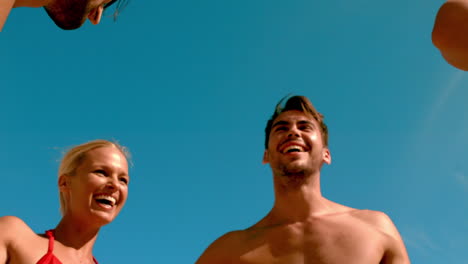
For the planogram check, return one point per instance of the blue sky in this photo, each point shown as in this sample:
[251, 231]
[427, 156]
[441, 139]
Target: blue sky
[188, 87]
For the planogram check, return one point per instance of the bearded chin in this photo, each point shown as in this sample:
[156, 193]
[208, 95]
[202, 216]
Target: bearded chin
[294, 170]
[67, 17]
[299, 169]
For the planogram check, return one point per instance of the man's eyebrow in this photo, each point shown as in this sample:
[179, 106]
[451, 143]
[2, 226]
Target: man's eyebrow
[280, 123]
[302, 122]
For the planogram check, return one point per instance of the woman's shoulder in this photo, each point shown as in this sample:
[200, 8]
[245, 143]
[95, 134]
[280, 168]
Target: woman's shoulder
[13, 226]
[18, 242]
[11, 222]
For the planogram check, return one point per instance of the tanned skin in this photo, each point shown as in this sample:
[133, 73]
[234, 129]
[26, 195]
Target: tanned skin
[104, 172]
[450, 33]
[303, 227]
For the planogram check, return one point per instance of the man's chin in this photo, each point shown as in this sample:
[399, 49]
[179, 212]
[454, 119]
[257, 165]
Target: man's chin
[293, 170]
[66, 22]
[299, 168]
[69, 25]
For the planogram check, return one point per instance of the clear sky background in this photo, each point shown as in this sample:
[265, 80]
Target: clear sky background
[189, 85]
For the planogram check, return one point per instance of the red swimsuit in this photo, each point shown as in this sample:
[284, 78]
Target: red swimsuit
[49, 257]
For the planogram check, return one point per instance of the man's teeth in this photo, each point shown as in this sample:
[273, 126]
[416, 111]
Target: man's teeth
[293, 148]
[105, 199]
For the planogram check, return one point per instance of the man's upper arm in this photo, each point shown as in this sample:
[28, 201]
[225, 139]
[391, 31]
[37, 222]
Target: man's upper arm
[396, 251]
[450, 33]
[220, 250]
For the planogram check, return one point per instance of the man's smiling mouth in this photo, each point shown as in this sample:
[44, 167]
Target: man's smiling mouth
[293, 148]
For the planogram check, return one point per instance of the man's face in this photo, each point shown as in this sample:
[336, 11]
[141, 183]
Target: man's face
[71, 14]
[295, 145]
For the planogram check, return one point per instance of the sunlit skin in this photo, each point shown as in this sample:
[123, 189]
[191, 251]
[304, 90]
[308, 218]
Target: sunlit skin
[303, 227]
[67, 14]
[289, 129]
[450, 33]
[102, 173]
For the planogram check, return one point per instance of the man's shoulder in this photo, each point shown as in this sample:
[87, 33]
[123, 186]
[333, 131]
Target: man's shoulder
[370, 216]
[375, 219]
[395, 251]
[221, 250]
[378, 220]
[229, 240]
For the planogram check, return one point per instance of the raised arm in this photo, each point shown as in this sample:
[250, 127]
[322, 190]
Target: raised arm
[450, 33]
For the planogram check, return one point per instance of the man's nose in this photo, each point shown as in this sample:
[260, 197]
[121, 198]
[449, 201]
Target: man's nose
[293, 132]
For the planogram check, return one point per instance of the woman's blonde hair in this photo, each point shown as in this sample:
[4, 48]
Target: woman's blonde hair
[74, 157]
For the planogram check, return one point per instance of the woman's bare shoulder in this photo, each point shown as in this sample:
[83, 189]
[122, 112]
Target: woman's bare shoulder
[13, 226]
[18, 242]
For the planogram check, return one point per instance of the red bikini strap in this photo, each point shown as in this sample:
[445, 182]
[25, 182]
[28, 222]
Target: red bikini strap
[50, 235]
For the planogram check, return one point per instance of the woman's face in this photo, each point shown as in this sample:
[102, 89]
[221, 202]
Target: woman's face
[99, 188]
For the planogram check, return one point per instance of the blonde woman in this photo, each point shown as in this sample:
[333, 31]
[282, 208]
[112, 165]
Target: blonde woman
[93, 187]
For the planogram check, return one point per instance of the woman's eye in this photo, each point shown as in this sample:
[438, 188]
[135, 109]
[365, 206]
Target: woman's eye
[124, 180]
[103, 172]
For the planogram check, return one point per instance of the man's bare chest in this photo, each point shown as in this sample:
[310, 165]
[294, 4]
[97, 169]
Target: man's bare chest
[321, 242]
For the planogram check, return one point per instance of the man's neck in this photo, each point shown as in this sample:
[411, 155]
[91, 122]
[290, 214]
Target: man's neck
[298, 198]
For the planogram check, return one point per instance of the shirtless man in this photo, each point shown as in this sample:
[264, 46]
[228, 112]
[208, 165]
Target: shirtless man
[67, 14]
[303, 227]
[450, 33]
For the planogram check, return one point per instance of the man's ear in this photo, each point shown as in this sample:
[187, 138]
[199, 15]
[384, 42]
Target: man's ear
[327, 156]
[265, 157]
[63, 182]
[95, 14]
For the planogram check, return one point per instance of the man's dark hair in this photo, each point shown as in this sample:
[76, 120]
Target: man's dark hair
[299, 103]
